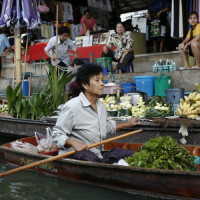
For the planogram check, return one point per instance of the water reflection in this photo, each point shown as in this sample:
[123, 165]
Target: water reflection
[29, 185]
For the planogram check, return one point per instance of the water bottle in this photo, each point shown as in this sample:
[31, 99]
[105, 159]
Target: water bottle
[160, 67]
[155, 67]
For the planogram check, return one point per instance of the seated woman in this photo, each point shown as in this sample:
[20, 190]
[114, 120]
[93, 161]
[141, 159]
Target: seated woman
[191, 44]
[73, 86]
[83, 121]
[88, 23]
[123, 42]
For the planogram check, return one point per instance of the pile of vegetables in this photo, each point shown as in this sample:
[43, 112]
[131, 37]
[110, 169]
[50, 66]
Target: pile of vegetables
[158, 108]
[140, 109]
[162, 153]
[190, 107]
[114, 108]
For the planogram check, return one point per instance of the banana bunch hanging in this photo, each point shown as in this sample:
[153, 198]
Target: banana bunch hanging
[190, 107]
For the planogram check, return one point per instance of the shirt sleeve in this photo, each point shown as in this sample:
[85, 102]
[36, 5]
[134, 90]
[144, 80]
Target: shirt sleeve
[71, 45]
[198, 29]
[7, 42]
[188, 35]
[50, 45]
[111, 127]
[82, 20]
[129, 44]
[63, 127]
[110, 43]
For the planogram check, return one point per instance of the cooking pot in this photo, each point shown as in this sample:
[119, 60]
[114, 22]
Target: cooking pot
[135, 95]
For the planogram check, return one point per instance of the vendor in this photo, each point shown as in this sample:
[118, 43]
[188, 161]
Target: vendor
[191, 44]
[88, 23]
[83, 121]
[64, 43]
[123, 42]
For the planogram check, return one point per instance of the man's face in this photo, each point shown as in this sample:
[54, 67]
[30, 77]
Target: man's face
[95, 86]
[193, 20]
[63, 37]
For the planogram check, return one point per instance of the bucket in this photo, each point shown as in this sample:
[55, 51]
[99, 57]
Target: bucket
[161, 83]
[145, 84]
[127, 87]
[104, 71]
[104, 62]
[25, 88]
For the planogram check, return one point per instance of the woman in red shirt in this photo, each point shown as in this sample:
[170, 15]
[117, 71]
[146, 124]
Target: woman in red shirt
[87, 23]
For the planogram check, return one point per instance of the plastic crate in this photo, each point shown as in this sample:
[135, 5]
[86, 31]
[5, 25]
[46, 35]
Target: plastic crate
[174, 95]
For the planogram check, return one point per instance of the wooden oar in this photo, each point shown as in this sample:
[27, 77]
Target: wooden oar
[53, 158]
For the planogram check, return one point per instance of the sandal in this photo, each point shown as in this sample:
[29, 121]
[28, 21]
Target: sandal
[195, 67]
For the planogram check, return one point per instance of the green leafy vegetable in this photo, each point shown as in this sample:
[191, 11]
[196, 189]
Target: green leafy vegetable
[162, 153]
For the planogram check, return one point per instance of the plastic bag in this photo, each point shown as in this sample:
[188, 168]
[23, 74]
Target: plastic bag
[27, 147]
[45, 143]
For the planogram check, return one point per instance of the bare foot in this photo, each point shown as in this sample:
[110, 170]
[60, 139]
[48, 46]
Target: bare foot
[195, 67]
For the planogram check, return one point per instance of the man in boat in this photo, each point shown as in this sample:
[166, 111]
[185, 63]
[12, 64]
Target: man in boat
[83, 121]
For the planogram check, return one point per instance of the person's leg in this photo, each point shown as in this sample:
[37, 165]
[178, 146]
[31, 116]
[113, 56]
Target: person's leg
[85, 155]
[127, 59]
[114, 155]
[185, 57]
[162, 39]
[154, 46]
[196, 52]
[109, 54]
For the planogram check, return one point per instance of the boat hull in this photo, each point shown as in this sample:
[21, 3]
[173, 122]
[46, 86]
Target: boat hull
[163, 182]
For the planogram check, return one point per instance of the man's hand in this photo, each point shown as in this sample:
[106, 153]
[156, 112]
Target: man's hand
[105, 49]
[78, 146]
[122, 59]
[134, 121]
[159, 13]
[131, 122]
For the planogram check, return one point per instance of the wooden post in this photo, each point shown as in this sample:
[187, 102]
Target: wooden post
[56, 64]
[18, 54]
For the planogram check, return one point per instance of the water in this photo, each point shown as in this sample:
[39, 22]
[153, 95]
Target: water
[30, 185]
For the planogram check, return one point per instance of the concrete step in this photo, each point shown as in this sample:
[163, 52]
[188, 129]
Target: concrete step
[144, 62]
[179, 79]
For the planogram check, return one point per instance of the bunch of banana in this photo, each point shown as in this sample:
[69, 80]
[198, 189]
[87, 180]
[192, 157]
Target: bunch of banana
[190, 107]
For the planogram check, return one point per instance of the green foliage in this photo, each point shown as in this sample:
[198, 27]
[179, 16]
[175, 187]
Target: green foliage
[155, 111]
[43, 103]
[162, 153]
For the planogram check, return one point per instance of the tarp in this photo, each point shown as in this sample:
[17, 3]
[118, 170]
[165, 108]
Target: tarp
[20, 13]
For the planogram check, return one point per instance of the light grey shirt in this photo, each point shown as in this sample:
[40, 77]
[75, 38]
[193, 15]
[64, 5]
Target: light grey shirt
[78, 120]
[63, 55]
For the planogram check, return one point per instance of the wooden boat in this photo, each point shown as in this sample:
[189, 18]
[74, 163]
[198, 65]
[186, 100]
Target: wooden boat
[144, 180]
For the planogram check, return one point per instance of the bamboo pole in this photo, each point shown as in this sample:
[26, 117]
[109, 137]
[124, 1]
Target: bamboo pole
[18, 54]
[53, 158]
[56, 64]
[24, 70]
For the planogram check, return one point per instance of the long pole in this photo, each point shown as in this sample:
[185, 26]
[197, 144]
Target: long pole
[18, 54]
[53, 158]
[56, 65]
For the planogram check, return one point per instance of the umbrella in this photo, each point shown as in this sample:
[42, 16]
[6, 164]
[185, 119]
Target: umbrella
[19, 13]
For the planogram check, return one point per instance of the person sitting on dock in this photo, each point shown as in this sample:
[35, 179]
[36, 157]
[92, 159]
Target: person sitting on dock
[123, 42]
[83, 121]
[191, 44]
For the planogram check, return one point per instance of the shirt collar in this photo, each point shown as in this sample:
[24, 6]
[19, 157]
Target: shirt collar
[85, 101]
[65, 42]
